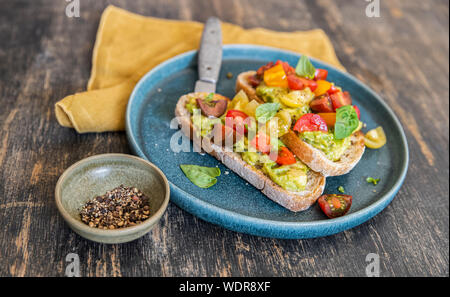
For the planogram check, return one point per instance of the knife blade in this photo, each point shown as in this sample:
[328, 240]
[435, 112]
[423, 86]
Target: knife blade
[209, 56]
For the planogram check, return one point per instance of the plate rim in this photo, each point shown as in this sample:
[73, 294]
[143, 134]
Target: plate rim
[264, 226]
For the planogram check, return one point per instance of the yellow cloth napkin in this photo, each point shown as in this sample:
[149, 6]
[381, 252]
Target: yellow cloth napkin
[129, 45]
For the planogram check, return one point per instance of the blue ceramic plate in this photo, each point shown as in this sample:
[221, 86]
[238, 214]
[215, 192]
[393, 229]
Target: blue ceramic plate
[232, 202]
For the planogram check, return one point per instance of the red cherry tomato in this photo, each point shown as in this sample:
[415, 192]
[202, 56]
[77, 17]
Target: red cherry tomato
[335, 205]
[333, 90]
[321, 74]
[358, 112]
[285, 157]
[287, 68]
[261, 142]
[295, 83]
[262, 69]
[236, 118]
[340, 99]
[311, 122]
[254, 81]
[308, 83]
[322, 104]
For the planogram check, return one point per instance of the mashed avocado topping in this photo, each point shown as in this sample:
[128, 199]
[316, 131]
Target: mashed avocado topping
[290, 177]
[271, 94]
[255, 159]
[191, 105]
[205, 125]
[326, 142]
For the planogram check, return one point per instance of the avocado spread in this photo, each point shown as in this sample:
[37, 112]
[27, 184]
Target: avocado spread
[332, 148]
[271, 94]
[290, 177]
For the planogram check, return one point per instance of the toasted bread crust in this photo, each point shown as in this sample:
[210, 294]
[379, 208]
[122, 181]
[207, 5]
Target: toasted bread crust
[314, 158]
[293, 201]
[242, 84]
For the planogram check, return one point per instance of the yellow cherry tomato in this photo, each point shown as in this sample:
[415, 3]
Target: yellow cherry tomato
[375, 138]
[297, 98]
[250, 108]
[284, 122]
[322, 87]
[276, 77]
[239, 101]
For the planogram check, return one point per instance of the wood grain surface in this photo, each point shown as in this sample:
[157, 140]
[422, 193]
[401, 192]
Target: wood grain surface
[44, 55]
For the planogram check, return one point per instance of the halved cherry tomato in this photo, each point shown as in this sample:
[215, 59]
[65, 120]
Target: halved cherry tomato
[322, 104]
[295, 83]
[333, 89]
[358, 112]
[276, 77]
[215, 108]
[237, 118]
[308, 83]
[335, 205]
[236, 114]
[329, 117]
[261, 142]
[286, 67]
[340, 99]
[254, 80]
[310, 122]
[262, 69]
[321, 74]
[322, 87]
[375, 138]
[285, 157]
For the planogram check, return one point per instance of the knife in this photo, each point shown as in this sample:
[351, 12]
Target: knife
[209, 57]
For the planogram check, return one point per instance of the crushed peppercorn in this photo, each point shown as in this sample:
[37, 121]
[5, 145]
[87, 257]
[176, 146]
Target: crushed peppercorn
[119, 208]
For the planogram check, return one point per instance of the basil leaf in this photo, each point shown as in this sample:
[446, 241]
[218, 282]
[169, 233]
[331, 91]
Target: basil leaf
[203, 177]
[346, 122]
[373, 180]
[210, 97]
[305, 68]
[266, 111]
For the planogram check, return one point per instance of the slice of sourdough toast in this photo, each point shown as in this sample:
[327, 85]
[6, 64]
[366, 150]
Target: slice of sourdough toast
[314, 158]
[294, 201]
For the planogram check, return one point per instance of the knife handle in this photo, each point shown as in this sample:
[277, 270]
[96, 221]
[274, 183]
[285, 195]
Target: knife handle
[210, 55]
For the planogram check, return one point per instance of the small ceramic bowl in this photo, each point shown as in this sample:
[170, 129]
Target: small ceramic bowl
[96, 175]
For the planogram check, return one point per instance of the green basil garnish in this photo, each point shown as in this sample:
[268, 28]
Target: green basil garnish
[346, 122]
[372, 180]
[210, 97]
[305, 68]
[266, 111]
[203, 177]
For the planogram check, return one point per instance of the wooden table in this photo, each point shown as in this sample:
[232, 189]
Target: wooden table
[403, 55]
